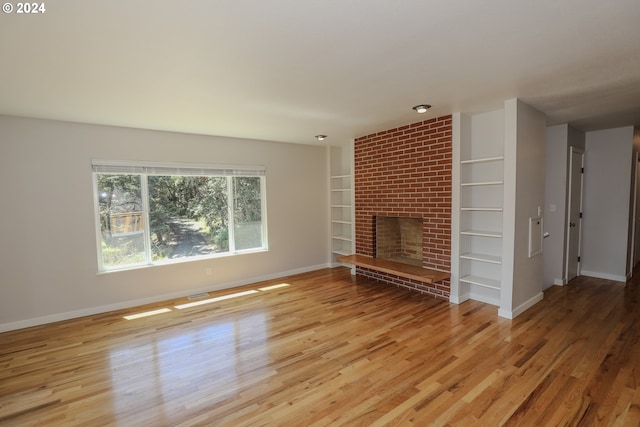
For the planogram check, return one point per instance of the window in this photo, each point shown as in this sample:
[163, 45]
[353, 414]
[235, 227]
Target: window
[150, 214]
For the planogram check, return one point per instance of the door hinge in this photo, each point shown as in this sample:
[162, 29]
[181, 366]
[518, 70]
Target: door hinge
[582, 170]
[578, 259]
[580, 214]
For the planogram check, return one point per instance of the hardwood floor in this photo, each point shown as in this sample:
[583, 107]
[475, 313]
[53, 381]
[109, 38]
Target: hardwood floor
[330, 350]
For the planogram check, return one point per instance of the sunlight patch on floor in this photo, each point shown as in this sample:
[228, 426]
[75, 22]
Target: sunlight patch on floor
[147, 313]
[268, 288]
[210, 300]
[206, 301]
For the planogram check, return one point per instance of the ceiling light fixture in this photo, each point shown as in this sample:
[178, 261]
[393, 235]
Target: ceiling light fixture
[321, 137]
[422, 108]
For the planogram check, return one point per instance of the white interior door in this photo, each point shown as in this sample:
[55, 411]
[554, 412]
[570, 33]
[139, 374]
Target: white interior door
[574, 226]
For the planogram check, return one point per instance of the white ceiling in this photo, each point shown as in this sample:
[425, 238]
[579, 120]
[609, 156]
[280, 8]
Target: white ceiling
[286, 70]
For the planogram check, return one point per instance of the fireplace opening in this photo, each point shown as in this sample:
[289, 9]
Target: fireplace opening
[399, 239]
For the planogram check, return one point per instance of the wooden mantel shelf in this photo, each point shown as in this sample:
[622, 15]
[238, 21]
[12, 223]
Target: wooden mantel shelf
[420, 274]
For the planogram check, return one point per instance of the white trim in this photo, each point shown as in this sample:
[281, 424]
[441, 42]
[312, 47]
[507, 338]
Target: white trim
[521, 308]
[164, 168]
[559, 282]
[459, 299]
[36, 321]
[606, 276]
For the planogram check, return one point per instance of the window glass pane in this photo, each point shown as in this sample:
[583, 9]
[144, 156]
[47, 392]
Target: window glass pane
[247, 212]
[121, 220]
[188, 216]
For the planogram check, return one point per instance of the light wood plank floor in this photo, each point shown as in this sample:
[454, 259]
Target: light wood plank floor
[330, 350]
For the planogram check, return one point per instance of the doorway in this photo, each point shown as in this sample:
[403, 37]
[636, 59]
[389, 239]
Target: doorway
[574, 217]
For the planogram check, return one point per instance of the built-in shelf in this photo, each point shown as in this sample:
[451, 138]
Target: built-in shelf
[492, 259]
[341, 252]
[474, 184]
[482, 160]
[479, 217]
[493, 209]
[341, 201]
[482, 233]
[481, 281]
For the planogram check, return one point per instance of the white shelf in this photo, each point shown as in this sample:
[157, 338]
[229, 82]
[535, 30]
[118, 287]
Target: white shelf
[481, 281]
[341, 252]
[481, 209]
[340, 176]
[343, 238]
[491, 259]
[335, 221]
[473, 184]
[482, 233]
[340, 189]
[340, 206]
[482, 160]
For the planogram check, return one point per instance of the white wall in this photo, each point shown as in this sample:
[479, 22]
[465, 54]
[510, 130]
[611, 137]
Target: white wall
[607, 186]
[555, 204]
[48, 256]
[525, 132]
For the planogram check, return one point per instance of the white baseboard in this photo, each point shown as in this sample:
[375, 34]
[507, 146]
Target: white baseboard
[559, 282]
[458, 299]
[606, 276]
[521, 308]
[36, 321]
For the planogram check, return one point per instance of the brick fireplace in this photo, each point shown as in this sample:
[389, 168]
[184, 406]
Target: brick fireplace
[406, 172]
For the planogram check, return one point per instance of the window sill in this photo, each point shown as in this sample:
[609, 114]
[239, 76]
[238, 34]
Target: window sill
[181, 261]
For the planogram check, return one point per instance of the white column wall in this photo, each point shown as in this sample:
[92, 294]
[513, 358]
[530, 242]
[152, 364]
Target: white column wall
[555, 204]
[525, 135]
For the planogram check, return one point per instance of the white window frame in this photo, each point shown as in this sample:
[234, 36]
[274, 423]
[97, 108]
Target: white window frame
[146, 169]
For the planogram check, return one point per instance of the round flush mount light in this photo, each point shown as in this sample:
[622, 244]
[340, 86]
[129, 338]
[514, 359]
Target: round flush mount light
[422, 108]
[321, 137]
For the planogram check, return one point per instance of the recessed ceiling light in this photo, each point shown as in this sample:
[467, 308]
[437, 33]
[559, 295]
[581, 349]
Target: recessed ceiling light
[422, 108]
[321, 137]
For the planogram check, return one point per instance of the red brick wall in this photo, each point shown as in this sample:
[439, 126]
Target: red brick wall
[407, 172]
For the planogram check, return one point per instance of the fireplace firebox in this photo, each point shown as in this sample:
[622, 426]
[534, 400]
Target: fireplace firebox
[399, 239]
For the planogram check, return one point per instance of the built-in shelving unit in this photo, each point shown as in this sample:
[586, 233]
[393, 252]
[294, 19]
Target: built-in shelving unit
[480, 186]
[481, 209]
[341, 200]
[492, 211]
[341, 218]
